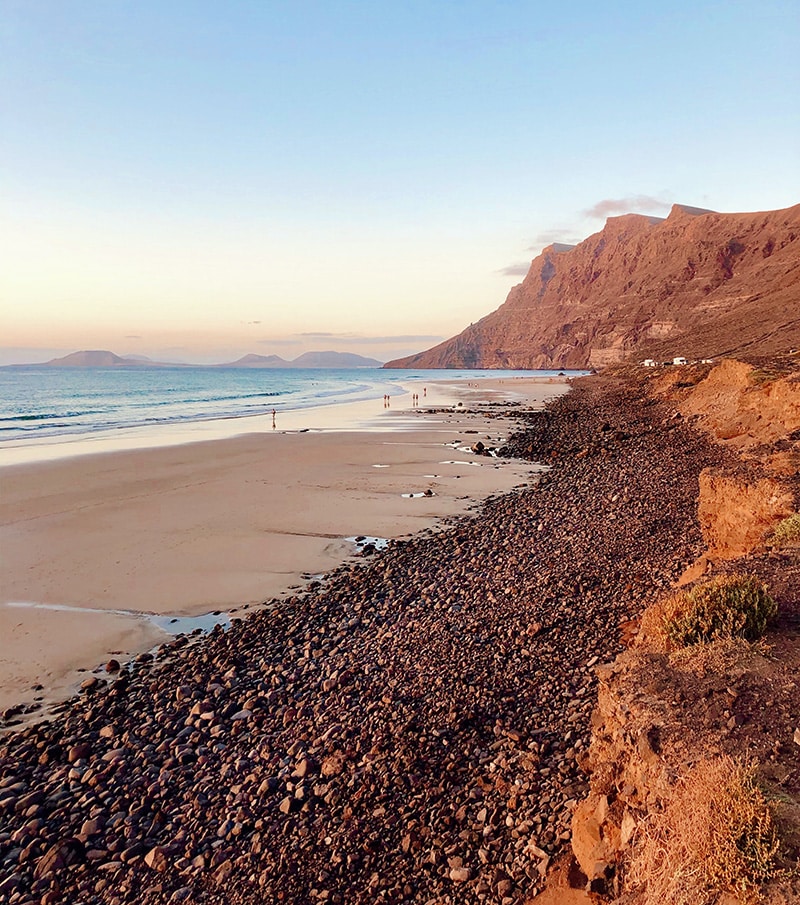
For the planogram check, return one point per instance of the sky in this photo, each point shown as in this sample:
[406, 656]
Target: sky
[194, 180]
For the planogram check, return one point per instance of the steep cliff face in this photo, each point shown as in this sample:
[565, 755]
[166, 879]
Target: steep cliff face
[698, 284]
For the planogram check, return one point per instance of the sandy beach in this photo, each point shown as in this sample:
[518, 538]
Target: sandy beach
[412, 728]
[92, 543]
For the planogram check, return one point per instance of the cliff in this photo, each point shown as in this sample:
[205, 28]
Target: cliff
[698, 284]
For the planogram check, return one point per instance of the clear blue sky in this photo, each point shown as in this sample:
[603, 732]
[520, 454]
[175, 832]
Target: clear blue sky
[201, 179]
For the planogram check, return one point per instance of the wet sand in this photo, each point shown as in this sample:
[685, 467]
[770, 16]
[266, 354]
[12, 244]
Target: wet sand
[224, 524]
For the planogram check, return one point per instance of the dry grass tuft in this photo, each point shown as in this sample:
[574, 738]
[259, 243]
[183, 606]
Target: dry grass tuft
[716, 835]
[728, 606]
[723, 656]
[787, 531]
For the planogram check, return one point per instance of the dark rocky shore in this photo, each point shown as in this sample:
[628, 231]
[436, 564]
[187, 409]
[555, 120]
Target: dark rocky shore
[409, 731]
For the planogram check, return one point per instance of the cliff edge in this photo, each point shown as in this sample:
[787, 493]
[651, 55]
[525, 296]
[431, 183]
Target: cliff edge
[697, 284]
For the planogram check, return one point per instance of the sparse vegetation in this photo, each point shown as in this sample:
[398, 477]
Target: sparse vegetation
[716, 834]
[787, 531]
[760, 376]
[728, 606]
[722, 656]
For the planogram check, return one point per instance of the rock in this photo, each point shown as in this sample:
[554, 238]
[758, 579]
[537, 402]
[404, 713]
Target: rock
[58, 856]
[157, 858]
[91, 827]
[79, 752]
[460, 874]
[588, 845]
[628, 828]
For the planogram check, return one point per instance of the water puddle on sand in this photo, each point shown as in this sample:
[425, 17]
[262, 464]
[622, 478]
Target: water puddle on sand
[171, 625]
[362, 541]
[416, 496]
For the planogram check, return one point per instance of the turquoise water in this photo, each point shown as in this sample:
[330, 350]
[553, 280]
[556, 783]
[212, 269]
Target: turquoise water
[40, 403]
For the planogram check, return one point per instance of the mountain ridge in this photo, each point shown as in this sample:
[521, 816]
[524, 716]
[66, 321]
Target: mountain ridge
[696, 283]
[103, 358]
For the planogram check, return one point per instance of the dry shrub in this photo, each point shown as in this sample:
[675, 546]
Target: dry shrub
[728, 606]
[787, 531]
[715, 835]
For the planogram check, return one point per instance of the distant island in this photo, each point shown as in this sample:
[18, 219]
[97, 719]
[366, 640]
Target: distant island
[102, 358]
[306, 360]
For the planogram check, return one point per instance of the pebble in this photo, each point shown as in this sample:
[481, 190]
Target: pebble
[406, 732]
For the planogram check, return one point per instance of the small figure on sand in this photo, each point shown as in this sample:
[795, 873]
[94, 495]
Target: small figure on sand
[273, 419]
[424, 391]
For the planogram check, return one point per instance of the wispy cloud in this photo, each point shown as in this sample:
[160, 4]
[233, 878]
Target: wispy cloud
[636, 203]
[567, 236]
[132, 336]
[358, 339]
[515, 270]
[278, 342]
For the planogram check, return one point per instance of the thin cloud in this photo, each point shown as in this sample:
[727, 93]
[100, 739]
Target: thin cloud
[367, 340]
[515, 270]
[357, 339]
[610, 206]
[132, 336]
[278, 342]
[550, 236]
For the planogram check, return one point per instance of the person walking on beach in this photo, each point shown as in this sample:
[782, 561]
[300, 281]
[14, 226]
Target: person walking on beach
[273, 419]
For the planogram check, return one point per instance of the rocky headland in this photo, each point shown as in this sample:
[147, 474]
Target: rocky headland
[698, 284]
[417, 726]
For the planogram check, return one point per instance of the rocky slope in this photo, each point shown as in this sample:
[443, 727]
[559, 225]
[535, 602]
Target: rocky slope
[697, 284]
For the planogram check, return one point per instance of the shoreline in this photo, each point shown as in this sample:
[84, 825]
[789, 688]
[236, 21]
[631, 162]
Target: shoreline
[227, 524]
[410, 731]
[360, 414]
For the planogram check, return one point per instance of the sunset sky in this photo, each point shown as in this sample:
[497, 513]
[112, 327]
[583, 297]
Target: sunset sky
[197, 180]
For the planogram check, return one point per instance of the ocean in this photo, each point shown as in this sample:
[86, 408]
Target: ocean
[43, 404]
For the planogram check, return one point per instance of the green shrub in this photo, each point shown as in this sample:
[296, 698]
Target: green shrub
[787, 531]
[729, 606]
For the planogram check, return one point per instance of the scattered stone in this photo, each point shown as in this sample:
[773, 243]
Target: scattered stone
[410, 731]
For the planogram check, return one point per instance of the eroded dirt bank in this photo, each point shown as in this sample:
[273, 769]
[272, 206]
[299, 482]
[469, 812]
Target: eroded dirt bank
[409, 732]
[666, 715]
